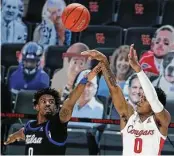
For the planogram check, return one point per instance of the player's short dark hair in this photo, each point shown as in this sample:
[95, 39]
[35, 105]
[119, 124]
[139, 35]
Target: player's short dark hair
[134, 76]
[48, 91]
[161, 95]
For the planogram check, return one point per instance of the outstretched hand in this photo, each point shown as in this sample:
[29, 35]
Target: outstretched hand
[94, 54]
[133, 59]
[12, 138]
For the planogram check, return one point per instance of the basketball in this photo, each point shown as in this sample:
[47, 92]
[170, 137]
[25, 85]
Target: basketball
[76, 17]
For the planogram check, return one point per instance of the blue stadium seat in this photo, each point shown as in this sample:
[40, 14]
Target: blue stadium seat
[138, 13]
[102, 36]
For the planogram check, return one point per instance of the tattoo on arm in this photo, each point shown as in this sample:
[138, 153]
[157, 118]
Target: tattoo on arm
[65, 114]
[109, 76]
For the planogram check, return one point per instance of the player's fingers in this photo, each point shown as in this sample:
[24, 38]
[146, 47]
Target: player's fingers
[8, 141]
[135, 55]
[85, 53]
[131, 50]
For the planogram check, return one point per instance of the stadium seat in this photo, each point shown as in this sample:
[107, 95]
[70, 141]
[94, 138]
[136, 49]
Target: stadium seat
[111, 143]
[168, 12]
[77, 143]
[8, 54]
[141, 37]
[102, 36]
[2, 73]
[111, 139]
[24, 102]
[101, 11]
[11, 69]
[34, 12]
[53, 57]
[81, 139]
[138, 13]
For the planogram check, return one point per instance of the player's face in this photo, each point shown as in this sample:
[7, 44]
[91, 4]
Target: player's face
[143, 106]
[162, 43]
[135, 90]
[122, 64]
[46, 105]
[77, 64]
[10, 10]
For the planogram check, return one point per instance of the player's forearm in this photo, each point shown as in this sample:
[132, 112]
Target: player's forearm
[115, 91]
[108, 75]
[150, 92]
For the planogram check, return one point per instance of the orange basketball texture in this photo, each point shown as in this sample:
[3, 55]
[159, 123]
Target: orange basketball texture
[76, 17]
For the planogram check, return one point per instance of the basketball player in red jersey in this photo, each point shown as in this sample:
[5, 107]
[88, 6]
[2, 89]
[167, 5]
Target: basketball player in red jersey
[144, 131]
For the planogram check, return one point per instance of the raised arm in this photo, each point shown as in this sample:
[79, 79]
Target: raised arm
[120, 103]
[17, 136]
[68, 105]
[161, 114]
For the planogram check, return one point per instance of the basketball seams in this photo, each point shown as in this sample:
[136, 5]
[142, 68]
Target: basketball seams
[70, 13]
[87, 21]
[78, 18]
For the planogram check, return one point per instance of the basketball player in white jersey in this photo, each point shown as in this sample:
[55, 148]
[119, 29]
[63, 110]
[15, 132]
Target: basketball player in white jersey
[144, 131]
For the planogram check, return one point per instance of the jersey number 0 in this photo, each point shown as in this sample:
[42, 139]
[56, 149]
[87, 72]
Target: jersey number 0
[138, 145]
[30, 151]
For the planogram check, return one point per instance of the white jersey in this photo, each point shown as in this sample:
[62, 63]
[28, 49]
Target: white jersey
[142, 138]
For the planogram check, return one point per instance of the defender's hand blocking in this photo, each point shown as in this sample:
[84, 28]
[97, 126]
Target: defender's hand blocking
[133, 59]
[94, 54]
[12, 138]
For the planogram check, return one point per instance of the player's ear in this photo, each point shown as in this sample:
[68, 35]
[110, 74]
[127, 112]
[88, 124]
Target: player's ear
[36, 107]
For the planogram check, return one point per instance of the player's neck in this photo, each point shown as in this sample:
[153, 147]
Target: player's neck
[41, 119]
[144, 117]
